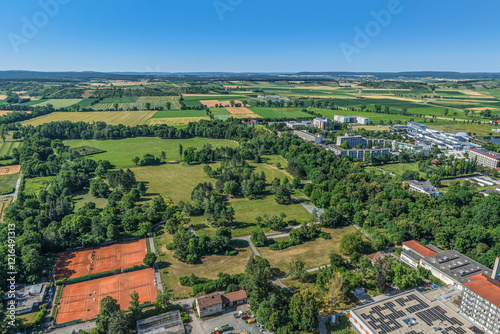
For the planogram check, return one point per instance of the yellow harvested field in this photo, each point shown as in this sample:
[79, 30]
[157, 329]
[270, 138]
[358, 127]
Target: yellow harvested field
[4, 203]
[391, 98]
[5, 112]
[231, 86]
[203, 95]
[212, 103]
[318, 87]
[3, 97]
[382, 89]
[7, 170]
[242, 112]
[175, 121]
[129, 118]
[469, 92]
[482, 108]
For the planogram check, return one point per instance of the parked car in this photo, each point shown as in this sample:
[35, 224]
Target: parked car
[236, 315]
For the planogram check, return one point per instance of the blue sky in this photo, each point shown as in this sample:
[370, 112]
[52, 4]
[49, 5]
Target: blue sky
[249, 35]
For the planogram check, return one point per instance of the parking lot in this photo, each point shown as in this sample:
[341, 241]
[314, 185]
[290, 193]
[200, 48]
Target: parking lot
[237, 324]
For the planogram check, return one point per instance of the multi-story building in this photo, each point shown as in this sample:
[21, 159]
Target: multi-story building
[351, 139]
[322, 123]
[358, 153]
[481, 302]
[295, 125]
[351, 119]
[309, 136]
[355, 140]
[424, 187]
[414, 251]
[485, 158]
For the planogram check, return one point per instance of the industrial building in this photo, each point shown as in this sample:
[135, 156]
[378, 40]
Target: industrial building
[414, 126]
[165, 323]
[485, 158]
[408, 313]
[307, 136]
[27, 298]
[423, 187]
[398, 146]
[295, 125]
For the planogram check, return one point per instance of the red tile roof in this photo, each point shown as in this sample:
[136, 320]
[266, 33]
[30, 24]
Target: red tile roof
[234, 296]
[486, 287]
[375, 256]
[419, 248]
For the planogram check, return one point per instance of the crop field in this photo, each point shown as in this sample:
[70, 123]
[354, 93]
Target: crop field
[176, 121]
[140, 103]
[58, 103]
[130, 118]
[7, 146]
[4, 203]
[121, 151]
[277, 113]
[179, 114]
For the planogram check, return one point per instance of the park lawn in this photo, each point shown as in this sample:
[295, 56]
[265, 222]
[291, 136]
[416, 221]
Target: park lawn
[400, 168]
[85, 197]
[171, 269]
[247, 210]
[179, 113]
[314, 253]
[121, 151]
[34, 185]
[173, 180]
[279, 112]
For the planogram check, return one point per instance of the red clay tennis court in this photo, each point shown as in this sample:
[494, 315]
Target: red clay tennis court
[97, 260]
[81, 300]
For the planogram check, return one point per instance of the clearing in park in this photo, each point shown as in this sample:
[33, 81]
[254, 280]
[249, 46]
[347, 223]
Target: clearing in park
[92, 261]
[82, 300]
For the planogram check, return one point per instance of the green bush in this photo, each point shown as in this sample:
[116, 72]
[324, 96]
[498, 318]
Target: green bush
[5, 191]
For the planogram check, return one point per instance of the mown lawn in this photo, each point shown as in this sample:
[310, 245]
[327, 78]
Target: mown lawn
[314, 253]
[171, 269]
[121, 151]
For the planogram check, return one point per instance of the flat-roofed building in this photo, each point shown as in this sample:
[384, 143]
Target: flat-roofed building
[485, 158]
[351, 119]
[322, 123]
[351, 139]
[410, 312]
[414, 126]
[454, 268]
[423, 187]
[307, 136]
[165, 323]
[358, 153]
[481, 302]
[27, 298]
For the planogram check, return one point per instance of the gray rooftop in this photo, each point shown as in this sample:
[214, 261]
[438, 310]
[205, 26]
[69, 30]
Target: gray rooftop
[413, 255]
[27, 296]
[456, 265]
[170, 322]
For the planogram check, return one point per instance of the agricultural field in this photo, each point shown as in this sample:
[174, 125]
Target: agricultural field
[138, 103]
[277, 113]
[8, 183]
[171, 269]
[121, 151]
[57, 103]
[129, 118]
[7, 146]
[175, 121]
[179, 114]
